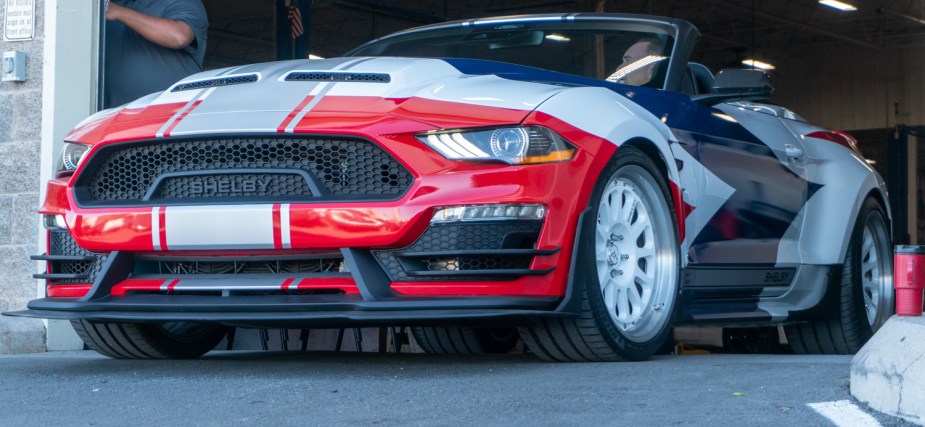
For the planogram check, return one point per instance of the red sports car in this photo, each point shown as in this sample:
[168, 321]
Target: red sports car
[573, 179]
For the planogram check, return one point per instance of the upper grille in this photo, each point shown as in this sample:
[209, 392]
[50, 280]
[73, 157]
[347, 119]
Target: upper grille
[298, 169]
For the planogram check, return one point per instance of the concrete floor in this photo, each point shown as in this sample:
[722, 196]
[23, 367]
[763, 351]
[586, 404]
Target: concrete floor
[322, 388]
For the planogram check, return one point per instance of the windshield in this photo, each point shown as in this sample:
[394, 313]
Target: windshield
[628, 53]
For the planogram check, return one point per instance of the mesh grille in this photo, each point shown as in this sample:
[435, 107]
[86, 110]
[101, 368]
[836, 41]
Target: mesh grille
[342, 168]
[472, 236]
[315, 76]
[481, 262]
[63, 244]
[222, 81]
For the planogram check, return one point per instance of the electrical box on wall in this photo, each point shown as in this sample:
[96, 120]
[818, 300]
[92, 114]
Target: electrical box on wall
[13, 68]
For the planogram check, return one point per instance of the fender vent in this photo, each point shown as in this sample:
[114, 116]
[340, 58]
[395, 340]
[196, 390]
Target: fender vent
[220, 81]
[320, 76]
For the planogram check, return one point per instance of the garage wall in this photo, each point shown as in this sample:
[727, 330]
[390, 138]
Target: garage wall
[20, 143]
[854, 87]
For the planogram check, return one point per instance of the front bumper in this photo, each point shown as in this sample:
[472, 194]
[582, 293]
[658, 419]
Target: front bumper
[388, 278]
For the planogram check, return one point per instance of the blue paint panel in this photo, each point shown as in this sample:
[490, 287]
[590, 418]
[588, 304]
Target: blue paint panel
[767, 198]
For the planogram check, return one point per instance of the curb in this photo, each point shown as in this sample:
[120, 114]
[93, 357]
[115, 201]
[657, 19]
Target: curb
[888, 374]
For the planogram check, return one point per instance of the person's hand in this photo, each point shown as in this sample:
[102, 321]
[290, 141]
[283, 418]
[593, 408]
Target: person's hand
[113, 11]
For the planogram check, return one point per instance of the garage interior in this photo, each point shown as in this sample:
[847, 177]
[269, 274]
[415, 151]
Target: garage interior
[857, 71]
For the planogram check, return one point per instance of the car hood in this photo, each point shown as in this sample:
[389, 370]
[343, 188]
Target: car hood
[299, 96]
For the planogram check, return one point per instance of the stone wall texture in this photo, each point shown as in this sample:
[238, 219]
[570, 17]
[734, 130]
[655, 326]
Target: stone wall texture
[20, 143]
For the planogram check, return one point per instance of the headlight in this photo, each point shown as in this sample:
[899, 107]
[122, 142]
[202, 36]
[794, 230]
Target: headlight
[512, 145]
[71, 157]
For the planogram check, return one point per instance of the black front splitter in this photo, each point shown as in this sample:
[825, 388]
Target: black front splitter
[297, 311]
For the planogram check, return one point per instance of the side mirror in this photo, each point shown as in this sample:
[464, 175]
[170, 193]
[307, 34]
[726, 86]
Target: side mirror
[738, 84]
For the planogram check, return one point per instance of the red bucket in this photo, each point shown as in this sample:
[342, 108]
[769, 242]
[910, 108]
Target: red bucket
[909, 279]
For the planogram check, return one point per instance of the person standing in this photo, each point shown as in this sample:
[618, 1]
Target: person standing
[150, 45]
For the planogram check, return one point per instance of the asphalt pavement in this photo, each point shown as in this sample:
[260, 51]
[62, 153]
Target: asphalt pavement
[324, 388]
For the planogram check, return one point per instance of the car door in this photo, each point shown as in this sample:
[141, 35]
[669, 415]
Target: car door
[765, 165]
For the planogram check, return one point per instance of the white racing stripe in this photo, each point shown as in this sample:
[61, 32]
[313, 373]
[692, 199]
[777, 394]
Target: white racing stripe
[319, 92]
[285, 233]
[844, 414]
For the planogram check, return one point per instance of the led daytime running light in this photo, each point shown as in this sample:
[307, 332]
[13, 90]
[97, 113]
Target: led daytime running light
[488, 213]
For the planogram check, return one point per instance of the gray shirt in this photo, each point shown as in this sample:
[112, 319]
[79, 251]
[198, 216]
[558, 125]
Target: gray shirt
[135, 67]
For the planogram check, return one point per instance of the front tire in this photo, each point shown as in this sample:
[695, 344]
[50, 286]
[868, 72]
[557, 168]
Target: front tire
[173, 340]
[627, 270]
[866, 296]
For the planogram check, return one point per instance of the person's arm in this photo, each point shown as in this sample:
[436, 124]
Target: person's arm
[164, 32]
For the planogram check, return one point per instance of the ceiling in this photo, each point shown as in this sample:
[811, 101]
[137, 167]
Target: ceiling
[242, 31]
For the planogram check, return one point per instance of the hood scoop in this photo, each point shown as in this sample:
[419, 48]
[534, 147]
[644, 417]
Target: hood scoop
[215, 82]
[326, 76]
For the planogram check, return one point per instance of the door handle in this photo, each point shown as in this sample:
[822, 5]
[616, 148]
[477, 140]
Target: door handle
[792, 151]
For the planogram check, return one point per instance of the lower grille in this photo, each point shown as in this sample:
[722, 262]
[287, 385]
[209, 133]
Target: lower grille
[298, 265]
[469, 251]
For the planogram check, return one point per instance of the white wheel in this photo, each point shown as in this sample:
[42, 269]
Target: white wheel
[627, 270]
[635, 254]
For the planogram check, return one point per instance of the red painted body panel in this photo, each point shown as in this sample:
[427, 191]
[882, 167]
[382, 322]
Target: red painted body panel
[325, 227]
[70, 290]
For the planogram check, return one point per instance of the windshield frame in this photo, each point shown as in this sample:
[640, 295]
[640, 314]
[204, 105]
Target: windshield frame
[685, 35]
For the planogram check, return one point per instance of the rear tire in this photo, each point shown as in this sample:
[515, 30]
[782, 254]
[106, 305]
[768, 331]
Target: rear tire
[173, 340]
[866, 296]
[465, 340]
[626, 271]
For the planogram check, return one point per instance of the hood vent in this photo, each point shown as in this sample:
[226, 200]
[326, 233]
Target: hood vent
[218, 81]
[324, 76]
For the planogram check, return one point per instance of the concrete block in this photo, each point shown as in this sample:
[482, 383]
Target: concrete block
[888, 374]
[17, 286]
[20, 165]
[27, 116]
[61, 336]
[19, 335]
[6, 115]
[6, 219]
[25, 220]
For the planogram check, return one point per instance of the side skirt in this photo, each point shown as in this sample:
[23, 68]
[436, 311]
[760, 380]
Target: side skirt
[758, 295]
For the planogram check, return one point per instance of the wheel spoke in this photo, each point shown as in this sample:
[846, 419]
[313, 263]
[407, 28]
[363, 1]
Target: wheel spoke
[646, 251]
[629, 207]
[641, 225]
[634, 298]
[866, 247]
[623, 306]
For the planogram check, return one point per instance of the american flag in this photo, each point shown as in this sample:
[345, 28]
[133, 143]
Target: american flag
[295, 22]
